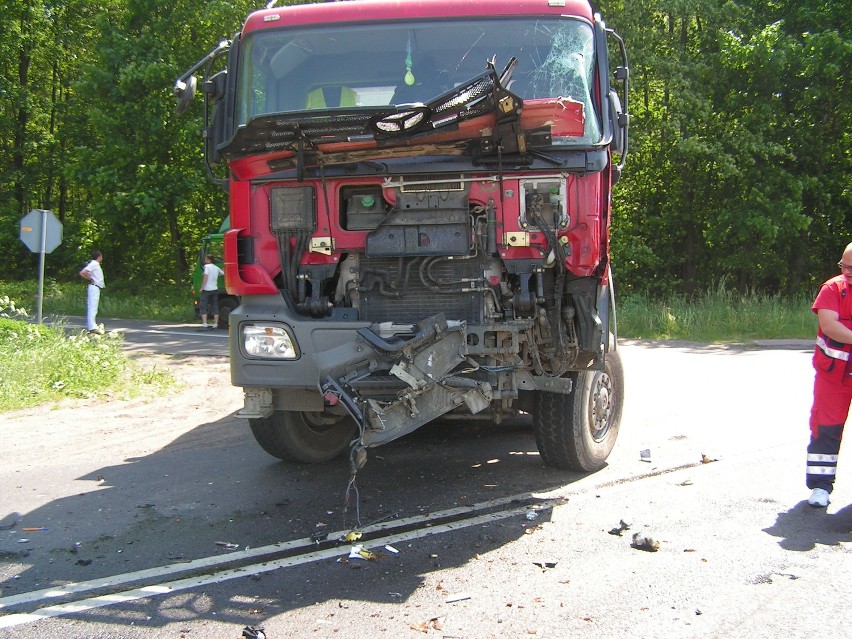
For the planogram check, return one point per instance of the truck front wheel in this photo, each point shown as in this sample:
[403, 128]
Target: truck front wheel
[308, 438]
[578, 431]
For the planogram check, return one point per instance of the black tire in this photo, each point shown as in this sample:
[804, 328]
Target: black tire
[578, 431]
[308, 438]
[226, 305]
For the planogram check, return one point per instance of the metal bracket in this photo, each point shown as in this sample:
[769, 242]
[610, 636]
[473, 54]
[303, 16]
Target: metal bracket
[516, 238]
[257, 404]
[324, 245]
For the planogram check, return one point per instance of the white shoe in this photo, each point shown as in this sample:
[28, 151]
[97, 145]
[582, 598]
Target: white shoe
[818, 498]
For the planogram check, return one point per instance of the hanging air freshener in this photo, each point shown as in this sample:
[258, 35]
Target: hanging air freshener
[409, 76]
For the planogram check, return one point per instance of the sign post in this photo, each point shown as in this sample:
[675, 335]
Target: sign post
[41, 232]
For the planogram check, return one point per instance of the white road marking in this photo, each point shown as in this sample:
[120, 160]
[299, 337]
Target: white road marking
[18, 619]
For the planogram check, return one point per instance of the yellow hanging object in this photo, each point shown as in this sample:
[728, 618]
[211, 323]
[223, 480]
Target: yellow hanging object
[409, 76]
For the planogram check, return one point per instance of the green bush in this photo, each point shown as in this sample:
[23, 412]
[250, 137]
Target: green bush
[45, 363]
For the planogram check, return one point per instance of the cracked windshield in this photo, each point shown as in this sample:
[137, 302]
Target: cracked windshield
[389, 64]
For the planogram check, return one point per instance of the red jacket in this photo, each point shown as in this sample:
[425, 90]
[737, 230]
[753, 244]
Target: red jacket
[831, 357]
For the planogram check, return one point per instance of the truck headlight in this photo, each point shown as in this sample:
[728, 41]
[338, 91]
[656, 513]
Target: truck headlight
[270, 341]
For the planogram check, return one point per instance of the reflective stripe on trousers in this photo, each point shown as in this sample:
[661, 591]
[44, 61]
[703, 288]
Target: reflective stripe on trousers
[822, 457]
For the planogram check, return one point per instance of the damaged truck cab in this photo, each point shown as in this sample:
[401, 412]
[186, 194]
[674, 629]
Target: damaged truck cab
[420, 210]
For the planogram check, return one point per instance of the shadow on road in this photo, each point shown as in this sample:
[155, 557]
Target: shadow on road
[215, 484]
[803, 527]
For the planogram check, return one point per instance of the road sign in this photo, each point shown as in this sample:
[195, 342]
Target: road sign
[39, 226]
[41, 232]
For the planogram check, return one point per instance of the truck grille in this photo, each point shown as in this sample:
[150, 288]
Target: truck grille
[429, 184]
[418, 301]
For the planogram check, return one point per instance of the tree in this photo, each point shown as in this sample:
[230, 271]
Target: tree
[151, 201]
[739, 144]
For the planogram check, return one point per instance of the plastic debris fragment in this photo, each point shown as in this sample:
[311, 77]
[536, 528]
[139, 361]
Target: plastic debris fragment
[648, 544]
[622, 526]
[359, 552]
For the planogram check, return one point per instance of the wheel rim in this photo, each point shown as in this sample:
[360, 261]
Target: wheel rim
[601, 398]
[320, 423]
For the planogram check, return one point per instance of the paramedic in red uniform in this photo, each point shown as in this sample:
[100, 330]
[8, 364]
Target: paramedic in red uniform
[833, 381]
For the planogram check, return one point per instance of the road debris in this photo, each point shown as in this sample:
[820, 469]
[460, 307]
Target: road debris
[622, 526]
[429, 624]
[641, 542]
[359, 552]
[390, 548]
[33, 529]
[532, 515]
[84, 562]
[545, 565]
[253, 632]
[227, 545]
[319, 535]
[353, 536]
[462, 596]
[645, 455]
[705, 459]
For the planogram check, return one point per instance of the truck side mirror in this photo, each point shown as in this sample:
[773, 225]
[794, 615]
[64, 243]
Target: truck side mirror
[616, 116]
[214, 87]
[213, 138]
[184, 91]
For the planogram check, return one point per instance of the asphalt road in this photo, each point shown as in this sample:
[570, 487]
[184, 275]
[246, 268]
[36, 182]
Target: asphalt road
[470, 535]
[158, 337]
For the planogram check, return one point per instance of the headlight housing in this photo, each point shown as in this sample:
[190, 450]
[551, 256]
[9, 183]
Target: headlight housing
[269, 341]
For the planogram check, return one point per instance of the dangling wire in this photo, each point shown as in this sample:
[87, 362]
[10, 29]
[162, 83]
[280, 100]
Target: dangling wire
[351, 487]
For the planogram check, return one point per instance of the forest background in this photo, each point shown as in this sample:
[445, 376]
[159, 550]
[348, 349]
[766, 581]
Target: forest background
[740, 149]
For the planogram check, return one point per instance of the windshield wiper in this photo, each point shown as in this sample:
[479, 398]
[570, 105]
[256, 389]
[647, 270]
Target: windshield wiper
[303, 132]
[284, 131]
[483, 94]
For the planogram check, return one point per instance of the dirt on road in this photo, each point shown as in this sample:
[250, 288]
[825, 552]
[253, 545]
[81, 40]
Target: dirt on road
[202, 402]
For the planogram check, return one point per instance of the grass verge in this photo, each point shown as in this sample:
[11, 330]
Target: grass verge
[43, 364]
[65, 299]
[717, 316]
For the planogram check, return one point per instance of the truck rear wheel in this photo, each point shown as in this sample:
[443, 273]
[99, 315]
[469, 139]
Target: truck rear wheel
[308, 438]
[578, 431]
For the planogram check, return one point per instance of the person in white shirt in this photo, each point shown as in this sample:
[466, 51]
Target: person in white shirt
[209, 302]
[94, 274]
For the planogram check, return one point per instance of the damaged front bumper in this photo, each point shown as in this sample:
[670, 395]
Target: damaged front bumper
[390, 379]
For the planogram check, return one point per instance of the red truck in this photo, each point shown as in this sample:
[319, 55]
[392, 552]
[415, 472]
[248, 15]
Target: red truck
[420, 209]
